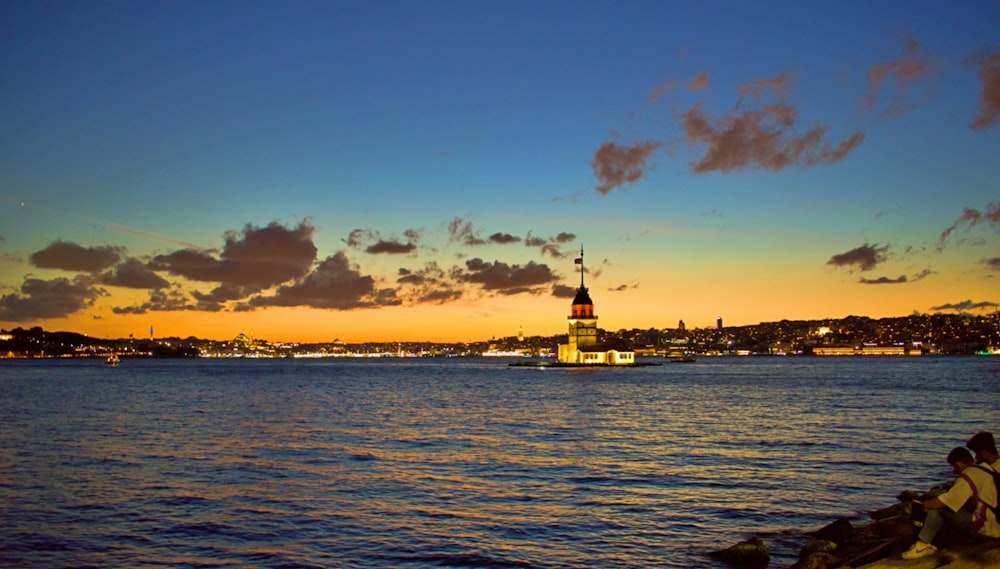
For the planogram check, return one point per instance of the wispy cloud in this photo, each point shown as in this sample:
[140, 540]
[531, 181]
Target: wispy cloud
[972, 217]
[967, 305]
[898, 280]
[898, 78]
[761, 138]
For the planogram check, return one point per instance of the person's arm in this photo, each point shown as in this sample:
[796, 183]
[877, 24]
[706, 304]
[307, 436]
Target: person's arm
[933, 504]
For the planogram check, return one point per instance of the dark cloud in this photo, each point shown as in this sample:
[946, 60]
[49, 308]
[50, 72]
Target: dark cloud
[507, 279]
[992, 264]
[392, 247]
[865, 257]
[69, 256]
[56, 298]
[503, 238]
[551, 246]
[133, 273]
[359, 236]
[334, 284]
[897, 76]
[616, 165]
[166, 300]
[884, 280]
[989, 103]
[966, 305]
[255, 259]
[428, 285]
[972, 217]
[563, 291]
[761, 138]
[377, 245]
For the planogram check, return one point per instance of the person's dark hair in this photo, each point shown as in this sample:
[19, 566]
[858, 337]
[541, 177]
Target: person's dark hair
[960, 454]
[982, 441]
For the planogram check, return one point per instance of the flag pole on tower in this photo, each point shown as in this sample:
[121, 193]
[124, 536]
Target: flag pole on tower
[579, 261]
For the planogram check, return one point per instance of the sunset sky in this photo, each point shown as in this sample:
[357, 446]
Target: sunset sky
[407, 170]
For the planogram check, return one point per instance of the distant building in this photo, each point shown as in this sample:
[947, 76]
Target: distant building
[583, 347]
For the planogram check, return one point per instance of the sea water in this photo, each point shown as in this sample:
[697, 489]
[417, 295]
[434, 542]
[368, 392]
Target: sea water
[463, 462]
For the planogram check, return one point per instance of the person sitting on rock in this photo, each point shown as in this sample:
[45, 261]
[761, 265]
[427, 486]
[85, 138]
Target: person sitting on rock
[985, 447]
[948, 509]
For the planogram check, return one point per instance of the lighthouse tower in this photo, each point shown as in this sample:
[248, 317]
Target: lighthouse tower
[582, 323]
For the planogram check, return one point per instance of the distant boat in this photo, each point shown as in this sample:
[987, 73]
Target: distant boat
[682, 358]
[112, 360]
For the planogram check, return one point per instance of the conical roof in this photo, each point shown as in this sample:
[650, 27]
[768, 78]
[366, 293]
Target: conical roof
[582, 297]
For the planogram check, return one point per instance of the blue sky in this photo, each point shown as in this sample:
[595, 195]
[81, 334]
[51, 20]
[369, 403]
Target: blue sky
[760, 161]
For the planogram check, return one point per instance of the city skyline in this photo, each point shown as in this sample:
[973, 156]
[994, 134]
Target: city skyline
[429, 171]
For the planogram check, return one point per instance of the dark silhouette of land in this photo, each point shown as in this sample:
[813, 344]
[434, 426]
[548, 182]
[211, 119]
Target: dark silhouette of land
[945, 334]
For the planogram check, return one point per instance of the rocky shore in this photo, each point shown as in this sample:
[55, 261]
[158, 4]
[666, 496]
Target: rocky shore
[875, 545]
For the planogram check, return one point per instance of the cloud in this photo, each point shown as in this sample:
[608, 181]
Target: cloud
[507, 279]
[69, 256]
[334, 284]
[428, 285]
[884, 280]
[760, 138]
[616, 165]
[757, 88]
[973, 217]
[459, 230]
[898, 280]
[165, 300]
[563, 291]
[133, 273]
[992, 264]
[392, 247]
[966, 305]
[503, 238]
[552, 245]
[989, 104]
[56, 298]
[256, 258]
[696, 83]
[356, 237]
[865, 257]
[898, 75]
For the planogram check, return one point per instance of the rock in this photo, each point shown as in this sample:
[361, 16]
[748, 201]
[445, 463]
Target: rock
[969, 556]
[837, 532]
[749, 553]
[901, 509]
[818, 560]
[820, 545]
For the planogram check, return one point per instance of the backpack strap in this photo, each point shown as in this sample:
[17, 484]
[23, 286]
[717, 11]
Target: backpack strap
[996, 488]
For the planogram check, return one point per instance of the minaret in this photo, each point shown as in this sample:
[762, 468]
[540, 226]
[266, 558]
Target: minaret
[582, 322]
